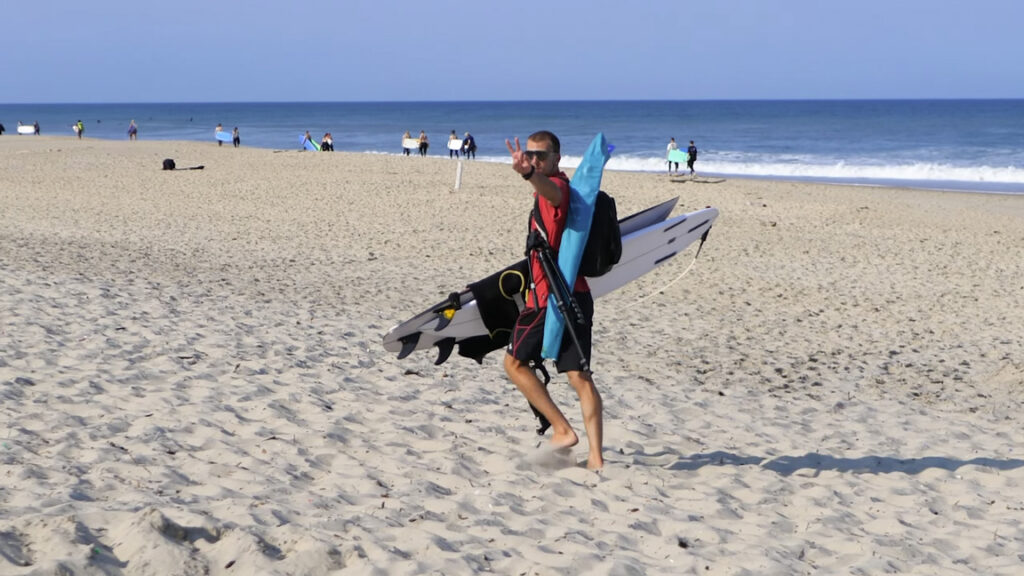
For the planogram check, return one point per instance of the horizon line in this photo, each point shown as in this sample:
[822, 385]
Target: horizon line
[555, 100]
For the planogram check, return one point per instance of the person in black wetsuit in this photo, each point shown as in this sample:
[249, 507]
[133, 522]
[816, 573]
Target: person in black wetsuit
[469, 146]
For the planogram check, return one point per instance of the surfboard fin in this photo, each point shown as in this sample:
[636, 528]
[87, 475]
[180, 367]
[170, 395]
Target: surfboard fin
[447, 312]
[444, 318]
[408, 344]
[444, 350]
[703, 239]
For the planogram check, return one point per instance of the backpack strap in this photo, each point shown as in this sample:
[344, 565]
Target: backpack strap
[536, 226]
[535, 218]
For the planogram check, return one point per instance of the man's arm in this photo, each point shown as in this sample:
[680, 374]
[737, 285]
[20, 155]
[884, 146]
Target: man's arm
[545, 187]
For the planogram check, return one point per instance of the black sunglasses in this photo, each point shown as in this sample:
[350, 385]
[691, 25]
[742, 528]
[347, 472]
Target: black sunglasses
[541, 155]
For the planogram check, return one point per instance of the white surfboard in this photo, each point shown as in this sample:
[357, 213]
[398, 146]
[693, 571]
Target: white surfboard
[455, 144]
[469, 323]
[645, 246]
[411, 143]
[26, 129]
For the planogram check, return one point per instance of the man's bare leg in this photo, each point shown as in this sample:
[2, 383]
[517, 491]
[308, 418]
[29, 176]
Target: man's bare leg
[591, 406]
[562, 435]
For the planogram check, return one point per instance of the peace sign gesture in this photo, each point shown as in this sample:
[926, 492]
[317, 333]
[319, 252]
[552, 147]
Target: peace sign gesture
[520, 161]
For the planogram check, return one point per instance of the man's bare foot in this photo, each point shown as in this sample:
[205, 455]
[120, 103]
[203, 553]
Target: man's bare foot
[567, 440]
[595, 464]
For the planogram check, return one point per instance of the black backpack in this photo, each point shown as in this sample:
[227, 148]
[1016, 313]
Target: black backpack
[168, 164]
[604, 244]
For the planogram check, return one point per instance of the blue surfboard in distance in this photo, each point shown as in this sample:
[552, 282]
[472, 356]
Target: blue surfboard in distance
[308, 144]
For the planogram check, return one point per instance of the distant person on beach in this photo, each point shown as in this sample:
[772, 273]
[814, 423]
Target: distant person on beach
[538, 165]
[424, 143]
[691, 157]
[668, 150]
[307, 138]
[81, 129]
[468, 146]
[453, 138]
[236, 139]
[327, 143]
[216, 132]
[133, 130]
[2, 129]
[406, 136]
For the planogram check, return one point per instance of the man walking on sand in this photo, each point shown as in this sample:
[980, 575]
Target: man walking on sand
[538, 165]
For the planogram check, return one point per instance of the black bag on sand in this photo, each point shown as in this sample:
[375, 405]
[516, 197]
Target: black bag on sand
[168, 164]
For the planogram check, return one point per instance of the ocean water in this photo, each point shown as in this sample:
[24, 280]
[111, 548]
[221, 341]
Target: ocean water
[975, 145]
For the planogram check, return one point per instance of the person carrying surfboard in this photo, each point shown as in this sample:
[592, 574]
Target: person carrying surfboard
[405, 139]
[668, 150]
[538, 165]
[424, 143]
[453, 150]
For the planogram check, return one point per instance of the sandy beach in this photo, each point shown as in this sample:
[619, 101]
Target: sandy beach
[192, 379]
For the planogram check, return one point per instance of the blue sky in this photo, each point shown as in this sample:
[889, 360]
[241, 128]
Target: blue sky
[370, 50]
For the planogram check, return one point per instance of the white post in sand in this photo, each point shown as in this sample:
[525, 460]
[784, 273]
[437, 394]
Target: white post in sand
[458, 176]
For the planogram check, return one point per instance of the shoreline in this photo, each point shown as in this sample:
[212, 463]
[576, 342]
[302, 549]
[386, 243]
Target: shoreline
[193, 375]
[996, 188]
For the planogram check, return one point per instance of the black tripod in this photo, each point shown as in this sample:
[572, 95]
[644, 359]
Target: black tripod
[564, 300]
[560, 289]
[566, 303]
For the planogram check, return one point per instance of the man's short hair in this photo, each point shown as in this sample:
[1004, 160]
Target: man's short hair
[549, 137]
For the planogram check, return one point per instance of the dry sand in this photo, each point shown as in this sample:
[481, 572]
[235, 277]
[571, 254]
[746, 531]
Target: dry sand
[192, 381]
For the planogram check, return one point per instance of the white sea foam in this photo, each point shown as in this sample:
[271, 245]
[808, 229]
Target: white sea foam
[923, 172]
